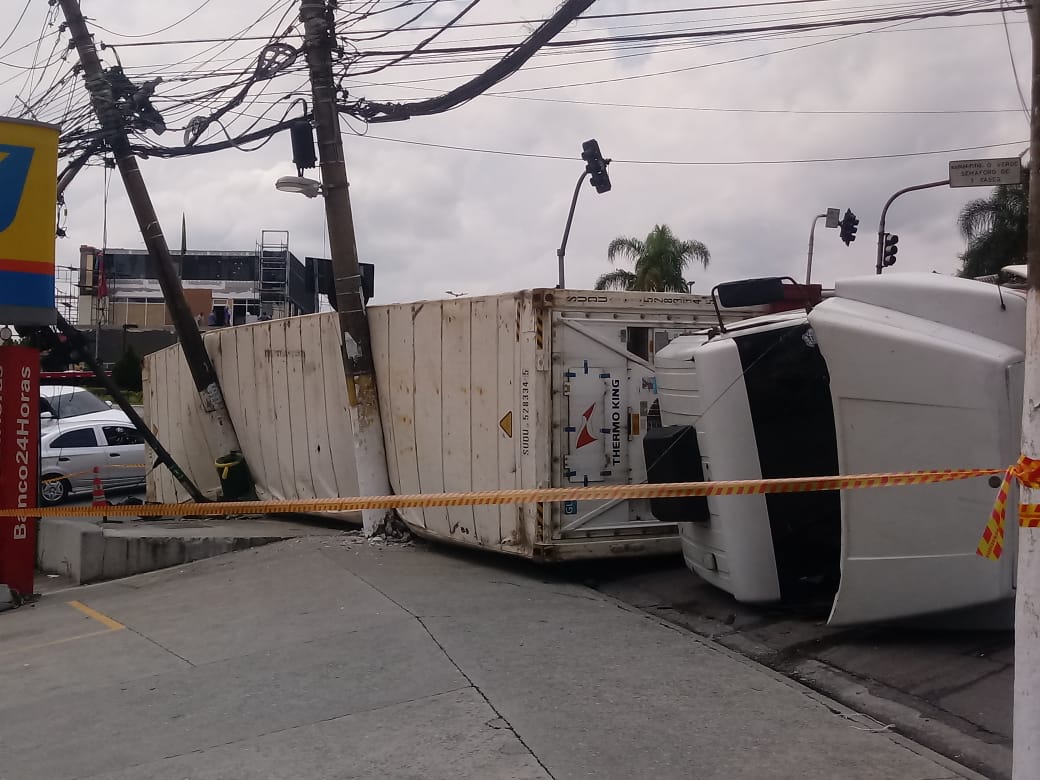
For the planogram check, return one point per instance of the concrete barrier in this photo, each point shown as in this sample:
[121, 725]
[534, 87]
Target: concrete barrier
[86, 550]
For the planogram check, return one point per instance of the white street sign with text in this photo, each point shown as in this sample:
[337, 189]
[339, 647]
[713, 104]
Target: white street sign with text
[985, 173]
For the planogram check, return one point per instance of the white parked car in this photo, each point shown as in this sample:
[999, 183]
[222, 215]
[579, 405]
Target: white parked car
[61, 404]
[70, 452]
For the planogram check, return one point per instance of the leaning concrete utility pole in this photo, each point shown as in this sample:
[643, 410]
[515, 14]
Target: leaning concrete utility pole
[369, 449]
[1027, 595]
[219, 432]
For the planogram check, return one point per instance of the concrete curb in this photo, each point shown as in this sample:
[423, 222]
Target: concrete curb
[87, 551]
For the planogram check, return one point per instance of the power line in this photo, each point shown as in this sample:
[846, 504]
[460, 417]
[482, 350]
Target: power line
[702, 163]
[508, 65]
[736, 110]
[17, 24]
[183, 19]
[428, 39]
[716, 63]
[671, 36]
[1014, 66]
[507, 23]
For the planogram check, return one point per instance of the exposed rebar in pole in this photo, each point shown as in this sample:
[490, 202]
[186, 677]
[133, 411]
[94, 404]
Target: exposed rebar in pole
[1026, 730]
[884, 213]
[219, 432]
[562, 251]
[369, 449]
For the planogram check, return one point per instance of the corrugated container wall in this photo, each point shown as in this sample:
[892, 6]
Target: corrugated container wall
[520, 390]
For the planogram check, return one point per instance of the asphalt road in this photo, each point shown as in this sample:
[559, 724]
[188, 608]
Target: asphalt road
[339, 658]
[950, 690]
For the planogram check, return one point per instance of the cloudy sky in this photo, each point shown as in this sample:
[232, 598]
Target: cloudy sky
[697, 128]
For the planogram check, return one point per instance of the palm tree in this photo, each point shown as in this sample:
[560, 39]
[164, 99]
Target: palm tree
[659, 262]
[995, 229]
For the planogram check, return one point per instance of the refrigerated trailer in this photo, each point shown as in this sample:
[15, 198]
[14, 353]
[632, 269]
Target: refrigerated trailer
[540, 388]
[529, 389]
[895, 373]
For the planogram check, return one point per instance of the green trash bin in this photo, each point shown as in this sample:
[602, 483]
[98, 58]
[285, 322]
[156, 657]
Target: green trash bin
[236, 483]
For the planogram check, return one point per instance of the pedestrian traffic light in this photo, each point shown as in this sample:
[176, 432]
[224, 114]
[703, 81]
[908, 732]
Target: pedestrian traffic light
[849, 226]
[595, 165]
[888, 255]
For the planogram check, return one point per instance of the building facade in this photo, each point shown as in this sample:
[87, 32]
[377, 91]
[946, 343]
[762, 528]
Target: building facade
[119, 288]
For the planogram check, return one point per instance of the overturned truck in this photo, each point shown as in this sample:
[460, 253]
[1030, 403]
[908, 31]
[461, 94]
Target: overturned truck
[895, 373]
[530, 389]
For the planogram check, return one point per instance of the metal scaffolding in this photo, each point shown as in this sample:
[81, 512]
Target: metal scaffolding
[273, 277]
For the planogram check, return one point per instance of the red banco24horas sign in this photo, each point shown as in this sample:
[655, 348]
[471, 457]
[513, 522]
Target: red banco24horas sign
[19, 461]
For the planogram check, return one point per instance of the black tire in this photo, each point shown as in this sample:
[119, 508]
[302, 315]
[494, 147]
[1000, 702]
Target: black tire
[54, 492]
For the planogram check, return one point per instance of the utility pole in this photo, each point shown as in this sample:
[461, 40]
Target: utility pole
[1027, 594]
[75, 339]
[369, 449]
[219, 433]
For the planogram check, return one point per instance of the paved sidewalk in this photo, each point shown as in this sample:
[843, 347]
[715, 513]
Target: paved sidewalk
[334, 657]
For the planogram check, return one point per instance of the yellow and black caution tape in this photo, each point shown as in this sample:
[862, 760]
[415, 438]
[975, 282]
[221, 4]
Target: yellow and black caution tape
[1027, 472]
[522, 496]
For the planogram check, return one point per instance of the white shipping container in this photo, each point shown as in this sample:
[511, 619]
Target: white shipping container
[529, 389]
[532, 389]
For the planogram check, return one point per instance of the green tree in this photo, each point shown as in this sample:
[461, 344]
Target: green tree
[995, 229]
[126, 373]
[659, 262]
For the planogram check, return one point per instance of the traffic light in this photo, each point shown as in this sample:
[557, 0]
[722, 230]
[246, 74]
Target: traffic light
[888, 255]
[849, 226]
[595, 165]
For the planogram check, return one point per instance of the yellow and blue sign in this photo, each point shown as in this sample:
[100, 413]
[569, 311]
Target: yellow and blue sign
[28, 201]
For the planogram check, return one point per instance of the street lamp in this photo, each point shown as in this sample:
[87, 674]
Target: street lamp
[596, 168]
[299, 184]
[833, 220]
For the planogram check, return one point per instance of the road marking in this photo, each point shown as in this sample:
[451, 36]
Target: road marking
[105, 620]
[41, 645]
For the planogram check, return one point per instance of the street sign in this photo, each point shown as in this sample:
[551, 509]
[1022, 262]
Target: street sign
[28, 197]
[985, 173]
[833, 218]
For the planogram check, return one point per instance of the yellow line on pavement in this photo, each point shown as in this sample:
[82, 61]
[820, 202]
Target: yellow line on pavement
[100, 617]
[41, 645]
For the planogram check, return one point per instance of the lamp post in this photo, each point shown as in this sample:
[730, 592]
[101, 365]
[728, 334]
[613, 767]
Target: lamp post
[596, 167]
[567, 228]
[831, 215]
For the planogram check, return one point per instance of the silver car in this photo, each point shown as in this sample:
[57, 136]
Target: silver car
[70, 453]
[61, 405]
